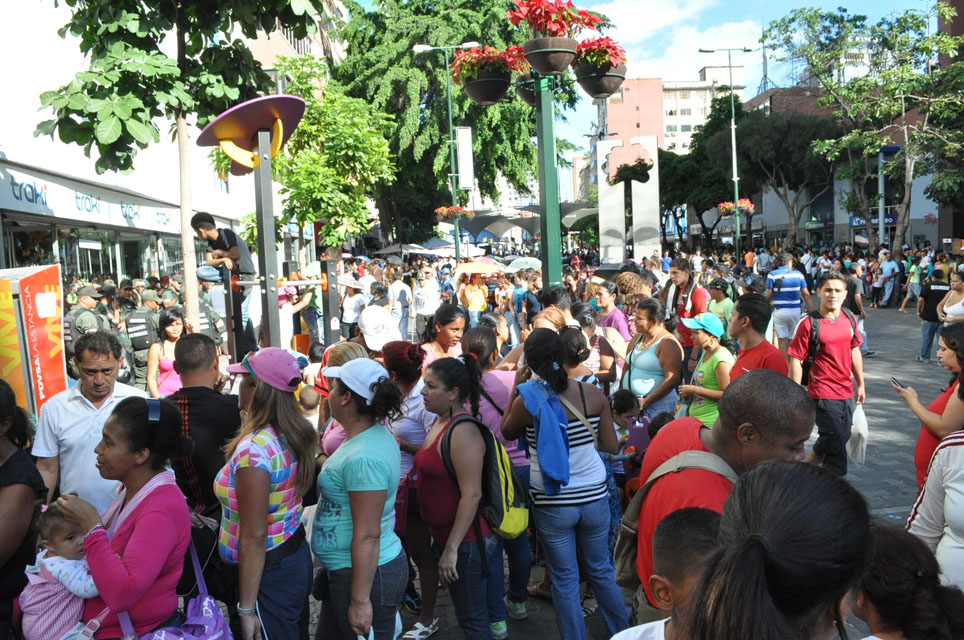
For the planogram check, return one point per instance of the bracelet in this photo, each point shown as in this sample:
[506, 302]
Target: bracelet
[99, 525]
[246, 612]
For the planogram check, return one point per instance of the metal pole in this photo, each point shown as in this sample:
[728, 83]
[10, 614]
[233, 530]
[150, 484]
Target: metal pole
[736, 178]
[267, 249]
[881, 205]
[452, 187]
[551, 242]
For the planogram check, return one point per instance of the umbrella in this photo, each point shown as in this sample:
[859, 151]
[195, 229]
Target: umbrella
[346, 255]
[365, 258]
[508, 259]
[394, 260]
[484, 268]
[488, 259]
[607, 271]
[525, 263]
[348, 281]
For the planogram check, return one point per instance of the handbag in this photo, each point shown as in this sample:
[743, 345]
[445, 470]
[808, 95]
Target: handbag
[204, 619]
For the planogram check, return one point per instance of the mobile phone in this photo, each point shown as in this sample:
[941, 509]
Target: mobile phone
[898, 382]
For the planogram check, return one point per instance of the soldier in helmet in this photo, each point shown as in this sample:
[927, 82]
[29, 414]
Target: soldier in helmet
[210, 322]
[142, 332]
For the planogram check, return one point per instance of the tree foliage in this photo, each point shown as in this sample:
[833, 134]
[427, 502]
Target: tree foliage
[382, 69]
[893, 96]
[333, 161]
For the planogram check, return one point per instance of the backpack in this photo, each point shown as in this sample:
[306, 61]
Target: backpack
[141, 330]
[815, 341]
[503, 503]
[627, 543]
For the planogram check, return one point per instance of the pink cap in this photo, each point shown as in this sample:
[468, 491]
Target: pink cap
[273, 366]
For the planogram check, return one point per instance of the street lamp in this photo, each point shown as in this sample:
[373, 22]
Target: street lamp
[423, 48]
[736, 178]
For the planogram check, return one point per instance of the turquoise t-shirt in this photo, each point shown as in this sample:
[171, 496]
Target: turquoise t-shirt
[368, 462]
[704, 409]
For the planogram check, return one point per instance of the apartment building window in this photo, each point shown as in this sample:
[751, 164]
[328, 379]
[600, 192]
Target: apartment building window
[685, 112]
[685, 128]
[671, 128]
[671, 112]
[302, 46]
[637, 125]
[684, 95]
[637, 108]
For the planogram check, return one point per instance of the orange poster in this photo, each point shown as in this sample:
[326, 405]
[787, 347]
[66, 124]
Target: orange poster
[11, 366]
[41, 299]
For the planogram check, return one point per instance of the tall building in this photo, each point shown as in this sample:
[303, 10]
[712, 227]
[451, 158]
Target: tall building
[635, 110]
[686, 104]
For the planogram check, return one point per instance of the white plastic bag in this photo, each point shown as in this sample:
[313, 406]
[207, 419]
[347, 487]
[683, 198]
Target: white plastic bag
[857, 444]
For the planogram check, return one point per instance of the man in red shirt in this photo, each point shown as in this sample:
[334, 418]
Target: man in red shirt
[684, 298]
[837, 366]
[764, 416]
[748, 325]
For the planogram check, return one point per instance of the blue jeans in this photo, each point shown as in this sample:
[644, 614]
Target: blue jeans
[666, 403]
[474, 318]
[864, 349]
[520, 564]
[388, 586]
[515, 332]
[469, 592]
[930, 333]
[583, 531]
[888, 292]
[283, 596]
[311, 317]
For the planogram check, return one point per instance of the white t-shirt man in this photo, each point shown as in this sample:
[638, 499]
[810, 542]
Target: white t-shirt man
[427, 298]
[399, 296]
[70, 428]
[649, 631]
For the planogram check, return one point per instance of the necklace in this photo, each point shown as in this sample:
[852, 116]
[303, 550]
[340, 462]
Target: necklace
[650, 342]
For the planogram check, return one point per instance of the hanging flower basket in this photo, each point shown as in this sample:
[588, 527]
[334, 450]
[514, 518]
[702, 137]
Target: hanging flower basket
[550, 55]
[484, 73]
[600, 66]
[525, 88]
[454, 213]
[743, 205]
[555, 24]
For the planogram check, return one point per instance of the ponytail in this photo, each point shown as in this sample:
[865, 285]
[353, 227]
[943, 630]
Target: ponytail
[463, 373]
[544, 354]
[482, 342]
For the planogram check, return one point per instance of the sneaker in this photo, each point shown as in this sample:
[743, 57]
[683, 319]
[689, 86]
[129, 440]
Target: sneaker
[499, 630]
[922, 359]
[869, 354]
[517, 610]
[411, 599]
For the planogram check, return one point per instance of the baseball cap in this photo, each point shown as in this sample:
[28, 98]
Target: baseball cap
[150, 295]
[108, 290]
[376, 324]
[707, 321]
[169, 295]
[718, 283]
[358, 375]
[178, 279]
[273, 366]
[446, 270]
[207, 273]
[89, 290]
[126, 284]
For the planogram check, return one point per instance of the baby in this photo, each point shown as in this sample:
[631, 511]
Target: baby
[59, 582]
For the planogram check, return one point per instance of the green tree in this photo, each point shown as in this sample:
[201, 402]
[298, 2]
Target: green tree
[777, 151]
[333, 161]
[382, 69]
[132, 83]
[895, 97]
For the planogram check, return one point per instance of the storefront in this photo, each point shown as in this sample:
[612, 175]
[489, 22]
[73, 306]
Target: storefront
[90, 229]
[858, 225]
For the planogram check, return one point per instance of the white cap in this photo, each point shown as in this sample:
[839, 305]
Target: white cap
[376, 324]
[358, 375]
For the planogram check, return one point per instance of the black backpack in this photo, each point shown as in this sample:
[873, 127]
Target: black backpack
[141, 330]
[815, 341]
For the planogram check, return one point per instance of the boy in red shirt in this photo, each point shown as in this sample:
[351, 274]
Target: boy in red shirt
[748, 324]
[837, 366]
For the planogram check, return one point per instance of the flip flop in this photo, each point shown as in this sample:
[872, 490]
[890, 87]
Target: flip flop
[420, 631]
[537, 590]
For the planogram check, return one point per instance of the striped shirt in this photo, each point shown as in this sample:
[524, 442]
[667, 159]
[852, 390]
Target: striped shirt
[587, 475]
[786, 285]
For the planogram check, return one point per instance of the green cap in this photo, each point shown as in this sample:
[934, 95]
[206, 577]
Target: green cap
[150, 296]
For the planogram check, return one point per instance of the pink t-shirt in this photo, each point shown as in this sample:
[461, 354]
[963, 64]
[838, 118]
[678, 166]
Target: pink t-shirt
[430, 356]
[498, 384]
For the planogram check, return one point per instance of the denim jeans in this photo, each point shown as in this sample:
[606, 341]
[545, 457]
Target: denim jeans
[474, 318]
[888, 291]
[311, 317]
[400, 317]
[930, 333]
[583, 531]
[834, 423]
[283, 596]
[515, 332]
[666, 403]
[469, 592]
[388, 586]
[520, 564]
[864, 349]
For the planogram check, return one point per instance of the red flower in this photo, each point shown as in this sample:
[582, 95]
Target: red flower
[552, 18]
[599, 52]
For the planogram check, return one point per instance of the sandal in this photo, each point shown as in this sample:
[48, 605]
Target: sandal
[420, 631]
[537, 590]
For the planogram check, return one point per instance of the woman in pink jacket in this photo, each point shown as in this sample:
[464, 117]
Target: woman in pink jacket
[136, 550]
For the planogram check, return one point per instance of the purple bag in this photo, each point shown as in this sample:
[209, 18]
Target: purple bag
[204, 618]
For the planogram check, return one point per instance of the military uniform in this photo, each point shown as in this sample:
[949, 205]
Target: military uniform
[142, 331]
[77, 322]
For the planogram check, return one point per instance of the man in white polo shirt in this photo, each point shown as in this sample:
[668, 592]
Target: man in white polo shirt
[71, 422]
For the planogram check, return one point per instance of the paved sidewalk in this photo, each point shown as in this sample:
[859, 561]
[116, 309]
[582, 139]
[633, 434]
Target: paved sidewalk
[887, 479]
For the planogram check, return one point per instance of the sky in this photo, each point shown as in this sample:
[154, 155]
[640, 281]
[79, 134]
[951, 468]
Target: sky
[662, 39]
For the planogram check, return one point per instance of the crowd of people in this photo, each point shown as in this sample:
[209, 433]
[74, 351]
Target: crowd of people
[651, 420]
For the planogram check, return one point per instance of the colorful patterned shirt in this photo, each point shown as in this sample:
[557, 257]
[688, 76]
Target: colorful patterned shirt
[263, 449]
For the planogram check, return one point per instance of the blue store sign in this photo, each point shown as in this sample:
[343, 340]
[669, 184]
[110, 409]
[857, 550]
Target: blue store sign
[889, 219]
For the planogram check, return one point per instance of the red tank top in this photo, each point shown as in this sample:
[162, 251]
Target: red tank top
[438, 493]
[927, 441]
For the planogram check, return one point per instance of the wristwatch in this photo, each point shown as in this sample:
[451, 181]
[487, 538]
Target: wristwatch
[253, 610]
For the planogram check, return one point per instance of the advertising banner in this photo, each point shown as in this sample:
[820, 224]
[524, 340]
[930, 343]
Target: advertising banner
[11, 363]
[41, 310]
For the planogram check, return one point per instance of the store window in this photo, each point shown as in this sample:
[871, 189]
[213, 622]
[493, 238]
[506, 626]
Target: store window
[86, 253]
[28, 244]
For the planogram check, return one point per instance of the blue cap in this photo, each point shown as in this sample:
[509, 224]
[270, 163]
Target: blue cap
[446, 270]
[207, 273]
[707, 321]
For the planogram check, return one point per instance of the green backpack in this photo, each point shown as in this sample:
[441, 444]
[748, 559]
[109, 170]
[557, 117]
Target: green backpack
[503, 503]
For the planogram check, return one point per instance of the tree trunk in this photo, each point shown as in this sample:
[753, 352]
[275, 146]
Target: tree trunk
[859, 187]
[188, 256]
[903, 209]
[793, 220]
